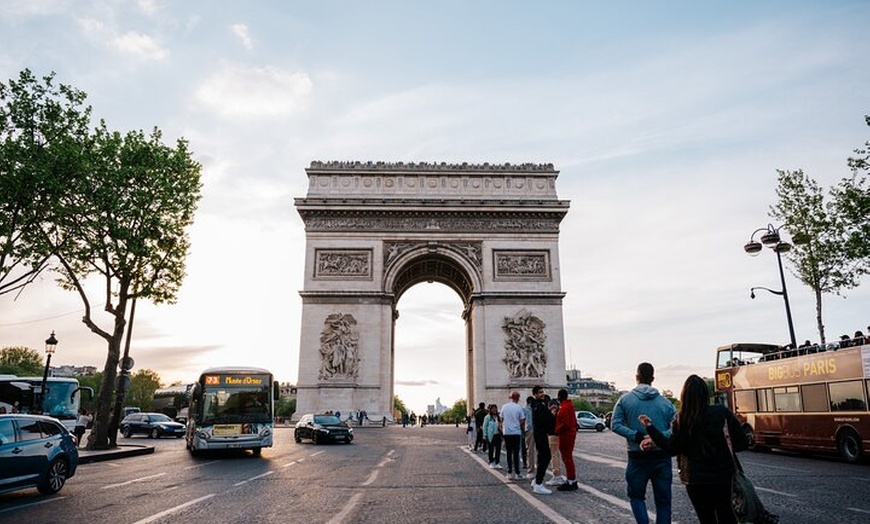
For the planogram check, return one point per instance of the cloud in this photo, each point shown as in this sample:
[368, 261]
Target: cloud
[140, 46]
[238, 91]
[148, 7]
[241, 31]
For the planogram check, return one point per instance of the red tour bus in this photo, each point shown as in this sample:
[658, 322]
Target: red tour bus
[811, 398]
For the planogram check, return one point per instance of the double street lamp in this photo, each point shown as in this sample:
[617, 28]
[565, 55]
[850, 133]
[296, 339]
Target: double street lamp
[772, 239]
[50, 346]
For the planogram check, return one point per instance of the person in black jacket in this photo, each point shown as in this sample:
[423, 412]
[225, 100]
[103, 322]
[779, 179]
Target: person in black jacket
[544, 422]
[706, 464]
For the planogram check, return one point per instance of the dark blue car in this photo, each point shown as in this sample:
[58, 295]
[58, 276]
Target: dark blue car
[35, 451]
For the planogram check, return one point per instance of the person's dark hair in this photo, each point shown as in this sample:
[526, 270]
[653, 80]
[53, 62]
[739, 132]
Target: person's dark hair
[536, 390]
[530, 399]
[694, 400]
[645, 373]
[482, 405]
[562, 395]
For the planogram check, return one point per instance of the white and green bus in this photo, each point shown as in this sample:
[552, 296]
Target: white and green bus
[232, 408]
[61, 399]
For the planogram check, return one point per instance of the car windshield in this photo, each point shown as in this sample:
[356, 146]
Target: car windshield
[326, 420]
[160, 417]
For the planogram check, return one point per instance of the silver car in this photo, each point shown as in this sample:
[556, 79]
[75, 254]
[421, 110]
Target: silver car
[589, 420]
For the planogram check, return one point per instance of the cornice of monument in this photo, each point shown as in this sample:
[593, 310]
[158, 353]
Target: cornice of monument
[335, 166]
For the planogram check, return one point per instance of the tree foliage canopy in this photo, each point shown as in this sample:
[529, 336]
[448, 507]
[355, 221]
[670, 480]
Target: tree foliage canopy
[21, 361]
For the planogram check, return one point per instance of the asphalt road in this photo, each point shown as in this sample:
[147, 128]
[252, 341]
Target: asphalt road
[402, 475]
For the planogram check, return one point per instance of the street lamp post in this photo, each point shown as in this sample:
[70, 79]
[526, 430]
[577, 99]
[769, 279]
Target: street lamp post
[772, 239]
[50, 346]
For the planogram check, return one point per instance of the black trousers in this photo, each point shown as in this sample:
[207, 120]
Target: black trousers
[542, 445]
[712, 503]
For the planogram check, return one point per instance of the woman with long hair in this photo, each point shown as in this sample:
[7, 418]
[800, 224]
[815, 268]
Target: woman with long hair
[492, 434]
[705, 461]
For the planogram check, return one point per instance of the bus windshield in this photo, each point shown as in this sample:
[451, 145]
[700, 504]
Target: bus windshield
[247, 402]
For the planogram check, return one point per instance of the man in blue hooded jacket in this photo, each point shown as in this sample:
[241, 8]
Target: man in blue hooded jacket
[646, 462]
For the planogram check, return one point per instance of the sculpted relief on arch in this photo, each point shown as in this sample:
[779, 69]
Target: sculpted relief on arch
[339, 348]
[525, 345]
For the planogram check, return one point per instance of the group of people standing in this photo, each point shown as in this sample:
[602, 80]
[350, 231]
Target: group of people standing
[531, 436]
[704, 437]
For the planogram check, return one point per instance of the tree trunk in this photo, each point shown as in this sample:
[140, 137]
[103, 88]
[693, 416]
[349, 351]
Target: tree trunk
[819, 323]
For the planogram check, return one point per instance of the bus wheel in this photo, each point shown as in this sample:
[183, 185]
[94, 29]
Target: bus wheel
[750, 438]
[849, 445]
[257, 451]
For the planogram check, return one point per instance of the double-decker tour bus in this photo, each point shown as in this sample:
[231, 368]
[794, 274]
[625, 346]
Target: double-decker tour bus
[232, 408]
[173, 401]
[61, 398]
[812, 398]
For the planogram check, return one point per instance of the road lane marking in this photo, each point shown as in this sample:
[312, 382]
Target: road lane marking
[520, 490]
[601, 459]
[767, 466]
[32, 504]
[287, 465]
[318, 453]
[201, 465]
[149, 477]
[757, 488]
[371, 478]
[266, 474]
[345, 511]
[859, 510]
[169, 511]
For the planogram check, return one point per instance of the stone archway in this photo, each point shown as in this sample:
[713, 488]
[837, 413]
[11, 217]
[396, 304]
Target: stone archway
[373, 230]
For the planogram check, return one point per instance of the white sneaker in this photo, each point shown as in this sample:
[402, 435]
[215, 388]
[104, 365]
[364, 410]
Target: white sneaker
[556, 481]
[497, 466]
[540, 490]
[512, 476]
[492, 465]
[522, 476]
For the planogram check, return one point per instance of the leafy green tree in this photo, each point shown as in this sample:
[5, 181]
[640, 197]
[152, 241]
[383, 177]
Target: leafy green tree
[21, 361]
[43, 132]
[852, 201]
[104, 206]
[398, 405]
[143, 384]
[818, 258]
[456, 414]
[581, 404]
[285, 407]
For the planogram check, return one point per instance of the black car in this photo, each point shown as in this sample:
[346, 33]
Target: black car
[35, 451]
[322, 428]
[155, 425]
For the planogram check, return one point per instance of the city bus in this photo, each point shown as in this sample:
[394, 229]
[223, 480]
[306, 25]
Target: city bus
[61, 399]
[173, 401]
[811, 398]
[232, 408]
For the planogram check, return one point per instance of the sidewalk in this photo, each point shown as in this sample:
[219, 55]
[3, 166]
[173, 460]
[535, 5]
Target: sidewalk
[87, 456]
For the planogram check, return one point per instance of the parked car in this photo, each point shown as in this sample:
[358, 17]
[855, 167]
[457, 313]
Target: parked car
[321, 429]
[589, 420]
[35, 451]
[155, 425]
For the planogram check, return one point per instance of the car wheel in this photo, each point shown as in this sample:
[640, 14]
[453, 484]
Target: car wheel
[315, 438]
[126, 432]
[55, 478]
[155, 433]
[257, 451]
[599, 427]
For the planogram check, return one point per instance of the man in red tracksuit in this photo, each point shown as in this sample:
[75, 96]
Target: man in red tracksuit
[566, 430]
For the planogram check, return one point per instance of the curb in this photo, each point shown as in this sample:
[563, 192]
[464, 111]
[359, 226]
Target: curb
[87, 457]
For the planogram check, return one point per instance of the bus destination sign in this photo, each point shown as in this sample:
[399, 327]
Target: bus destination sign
[235, 380]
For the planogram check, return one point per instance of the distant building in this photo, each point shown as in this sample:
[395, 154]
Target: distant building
[596, 392]
[436, 409]
[72, 371]
[287, 390]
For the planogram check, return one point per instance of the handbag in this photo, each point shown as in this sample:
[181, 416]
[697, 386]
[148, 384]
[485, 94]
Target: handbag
[744, 499]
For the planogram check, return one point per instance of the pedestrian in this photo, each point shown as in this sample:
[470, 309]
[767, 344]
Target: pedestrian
[479, 414]
[470, 431]
[514, 424]
[492, 433]
[553, 441]
[646, 462]
[82, 422]
[566, 431]
[705, 462]
[529, 437]
[543, 422]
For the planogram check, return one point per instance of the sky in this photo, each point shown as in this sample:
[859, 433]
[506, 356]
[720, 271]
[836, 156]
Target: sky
[666, 120]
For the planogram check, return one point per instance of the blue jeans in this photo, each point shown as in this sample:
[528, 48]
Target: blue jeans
[658, 470]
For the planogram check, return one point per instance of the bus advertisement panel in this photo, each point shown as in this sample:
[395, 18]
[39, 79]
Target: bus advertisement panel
[61, 399]
[232, 408]
[813, 398]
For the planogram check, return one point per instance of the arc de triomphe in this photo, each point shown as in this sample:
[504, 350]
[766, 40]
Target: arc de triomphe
[374, 229]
